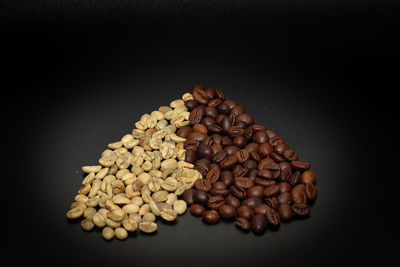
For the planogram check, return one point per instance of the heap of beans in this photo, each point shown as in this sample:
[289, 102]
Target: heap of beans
[249, 173]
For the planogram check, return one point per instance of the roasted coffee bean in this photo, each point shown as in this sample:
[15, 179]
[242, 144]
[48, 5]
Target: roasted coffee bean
[255, 191]
[272, 190]
[215, 202]
[200, 128]
[196, 87]
[227, 211]
[184, 131]
[219, 156]
[211, 112]
[210, 216]
[237, 110]
[216, 139]
[219, 94]
[202, 184]
[234, 131]
[266, 174]
[196, 209]
[225, 123]
[190, 156]
[188, 196]
[191, 145]
[219, 185]
[265, 149]
[258, 127]
[216, 129]
[255, 156]
[258, 223]
[191, 104]
[250, 164]
[286, 171]
[213, 175]
[272, 202]
[200, 197]
[277, 157]
[231, 150]
[219, 192]
[251, 147]
[197, 136]
[200, 96]
[284, 187]
[311, 191]
[299, 187]
[230, 103]
[300, 165]
[264, 182]
[271, 133]
[228, 162]
[243, 224]
[296, 178]
[301, 209]
[232, 201]
[196, 115]
[284, 198]
[260, 137]
[226, 141]
[239, 170]
[276, 140]
[216, 148]
[252, 202]
[206, 121]
[308, 177]
[219, 117]
[261, 208]
[285, 212]
[214, 102]
[243, 182]
[269, 164]
[210, 93]
[273, 217]
[245, 212]
[252, 174]
[223, 108]
[240, 141]
[204, 151]
[290, 155]
[226, 177]
[238, 192]
[299, 196]
[280, 149]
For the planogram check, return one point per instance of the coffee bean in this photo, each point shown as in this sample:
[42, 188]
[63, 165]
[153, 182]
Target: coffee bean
[196, 209]
[272, 190]
[191, 104]
[286, 171]
[255, 191]
[200, 197]
[184, 131]
[277, 157]
[285, 187]
[243, 224]
[219, 94]
[249, 133]
[272, 202]
[251, 147]
[308, 177]
[285, 212]
[207, 122]
[200, 96]
[273, 217]
[258, 223]
[237, 110]
[301, 209]
[310, 191]
[227, 211]
[210, 93]
[228, 162]
[299, 196]
[232, 201]
[284, 198]
[190, 156]
[276, 140]
[252, 202]
[264, 182]
[188, 196]
[200, 128]
[266, 174]
[191, 145]
[255, 156]
[281, 148]
[238, 192]
[245, 212]
[204, 151]
[214, 102]
[213, 175]
[290, 155]
[250, 164]
[210, 216]
[219, 192]
[211, 112]
[296, 178]
[261, 209]
[265, 149]
[226, 141]
[215, 202]
[219, 156]
[196, 115]
[202, 184]
[243, 182]
[240, 141]
[196, 136]
[234, 131]
[231, 150]
[230, 103]
[260, 137]
[300, 165]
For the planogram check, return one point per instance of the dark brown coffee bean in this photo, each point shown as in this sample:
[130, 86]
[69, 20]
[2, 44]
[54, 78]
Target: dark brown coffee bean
[245, 212]
[216, 148]
[200, 95]
[226, 122]
[202, 184]
[214, 128]
[226, 141]
[219, 94]
[308, 177]
[188, 196]
[246, 118]
[266, 174]
[243, 224]
[252, 174]
[196, 136]
[242, 156]
[251, 147]
[258, 223]
[276, 140]
[284, 198]
[219, 118]
[277, 157]
[252, 202]
[222, 108]
[191, 145]
[285, 187]
[243, 182]
[272, 190]
[215, 202]
[210, 216]
[238, 192]
[249, 132]
[261, 208]
[264, 182]
[204, 151]
[271, 133]
[286, 171]
[290, 155]
[210, 93]
[232, 201]
[265, 149]
[237, 110]
[227, 211]
[311, 191]
[206, 121]
[255, 191]
[214, 102]
[219, 192]
[300, 165]
[216, 139]
[258, 127]
[240, 141]
[219, 185]
[200, 197]
[191, 104]
[184, 131]
[299, 187]
[272, 202]
[280, 148]
[234, 131]
[273, 217]
[228, 162]
[250, 164]
[269, 164]
[296, 178]
[199, 128]
[260, 137]
[239, 170]
[299, 197]
[230, 103]
[231, 150]
[255, 156]
[301, 209]
[285, 212]
[226, 177]
[196, 209]
[213, 175]
[219, 156]
[190, 156]
[211, 112]
[196, 115]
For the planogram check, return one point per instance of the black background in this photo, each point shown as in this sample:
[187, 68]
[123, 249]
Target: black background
[320, 73]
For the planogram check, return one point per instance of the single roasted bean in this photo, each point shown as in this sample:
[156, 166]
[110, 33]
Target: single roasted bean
[273, 217]
[301, 209]
[210, 216]
[227, 211]
[215, 202]
[310, 191]
[243, 224]
[258, 223]
[238, 192]
[243, 182]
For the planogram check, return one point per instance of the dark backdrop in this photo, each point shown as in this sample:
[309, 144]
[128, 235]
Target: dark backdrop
[320, 73]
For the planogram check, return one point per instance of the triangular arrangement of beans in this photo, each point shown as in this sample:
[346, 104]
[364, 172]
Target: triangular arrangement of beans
[204, 152]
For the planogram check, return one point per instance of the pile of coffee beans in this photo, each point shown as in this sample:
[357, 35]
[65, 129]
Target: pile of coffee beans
[250, 174]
